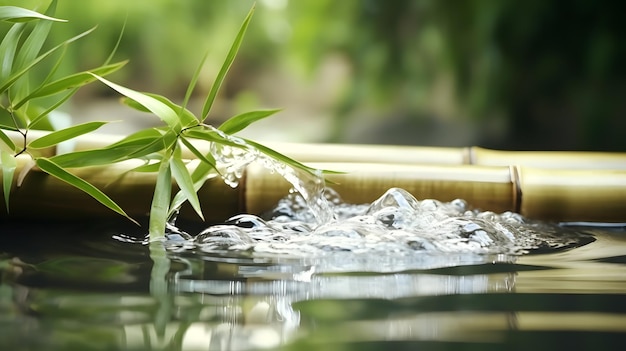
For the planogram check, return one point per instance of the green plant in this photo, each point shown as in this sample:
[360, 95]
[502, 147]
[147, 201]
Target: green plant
[160, 147]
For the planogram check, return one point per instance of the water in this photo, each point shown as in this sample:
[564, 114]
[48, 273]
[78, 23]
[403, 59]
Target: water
[92, 286]
[315, 274]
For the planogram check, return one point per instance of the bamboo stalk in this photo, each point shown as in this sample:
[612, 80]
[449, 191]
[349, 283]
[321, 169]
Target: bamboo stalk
[391, 154]
[557, 195]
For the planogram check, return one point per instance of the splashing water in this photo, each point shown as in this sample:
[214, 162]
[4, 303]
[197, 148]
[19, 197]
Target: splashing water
[396, 223]
[231, 162]
[313, 221]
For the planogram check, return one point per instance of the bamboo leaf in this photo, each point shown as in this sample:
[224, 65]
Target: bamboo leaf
[64, 134]
[147, 168]
[120, 151]
[280, 157]
[208, 159]
[6, 143]
[8, 170]
[117, 43]
[160, 109]
[241, 121]
[183, 179]
[53, 107]
[93, 157]
[56, 171]
[72, 81]
[210, 135]
[35, 40]
[185, 116]
[194, 80]
[199, 176]
[18, 14]
[8, 48]
[9, 81]
[163, 143]
[232, 53]
[161, 200]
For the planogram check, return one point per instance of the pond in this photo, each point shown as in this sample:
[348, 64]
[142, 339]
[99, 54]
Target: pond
[480, 282]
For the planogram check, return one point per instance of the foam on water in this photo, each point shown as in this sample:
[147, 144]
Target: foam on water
[396, 223]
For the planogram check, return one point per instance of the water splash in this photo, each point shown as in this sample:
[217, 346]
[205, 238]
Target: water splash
[231, 162]
[313, 221]
[395, 224]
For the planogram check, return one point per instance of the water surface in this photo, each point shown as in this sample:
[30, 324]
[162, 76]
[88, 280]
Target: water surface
[248, 285]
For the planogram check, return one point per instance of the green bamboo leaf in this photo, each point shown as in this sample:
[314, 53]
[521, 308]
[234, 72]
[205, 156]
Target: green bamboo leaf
[160, 109]
[185, 116]
[161, 200]
[148, 133]
[72, 81]
[58, 172]
[194, 81]
[35, 40]
[120, 151]
[226, 66]
[8, 170]
[93, 157]
[208, 159]
[18, 14]
[43, 114]
[9, 81]
[199, 176]
[185, 183]
[6, 143]
[8, 48]
[241, 121]
[147, 168]
[280, 157]
[64, 134]
[163, 143]
[117, 43]
[210, 135]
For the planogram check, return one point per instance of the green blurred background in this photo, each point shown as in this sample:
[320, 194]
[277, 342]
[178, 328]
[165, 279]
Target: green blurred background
[501, 74]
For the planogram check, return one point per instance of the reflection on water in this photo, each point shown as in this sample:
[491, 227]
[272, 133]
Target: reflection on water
[77, 289]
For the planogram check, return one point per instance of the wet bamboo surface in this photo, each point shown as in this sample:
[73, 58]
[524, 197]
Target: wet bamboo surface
[555, 186]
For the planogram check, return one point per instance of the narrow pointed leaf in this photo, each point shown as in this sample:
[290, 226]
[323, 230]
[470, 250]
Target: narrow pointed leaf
[241, 121]
[93, 157]
[54, 170]
[53, 107]
[192, 83]
[8, 170]
[280, 157]
[120, 151]
[18, 14]
[72, 81]
[204, 158]
[161, 200]
[199, 176]
[6, 143]
[117, 43]
[183, 179]
[147, 168]
[35, 40]
[185, 116]
[64, 134]
[161, 110]
[8, 47]
[9, 81]
[230, 57]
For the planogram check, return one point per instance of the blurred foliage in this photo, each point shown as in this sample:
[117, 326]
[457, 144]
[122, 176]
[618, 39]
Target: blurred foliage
[532, 74]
